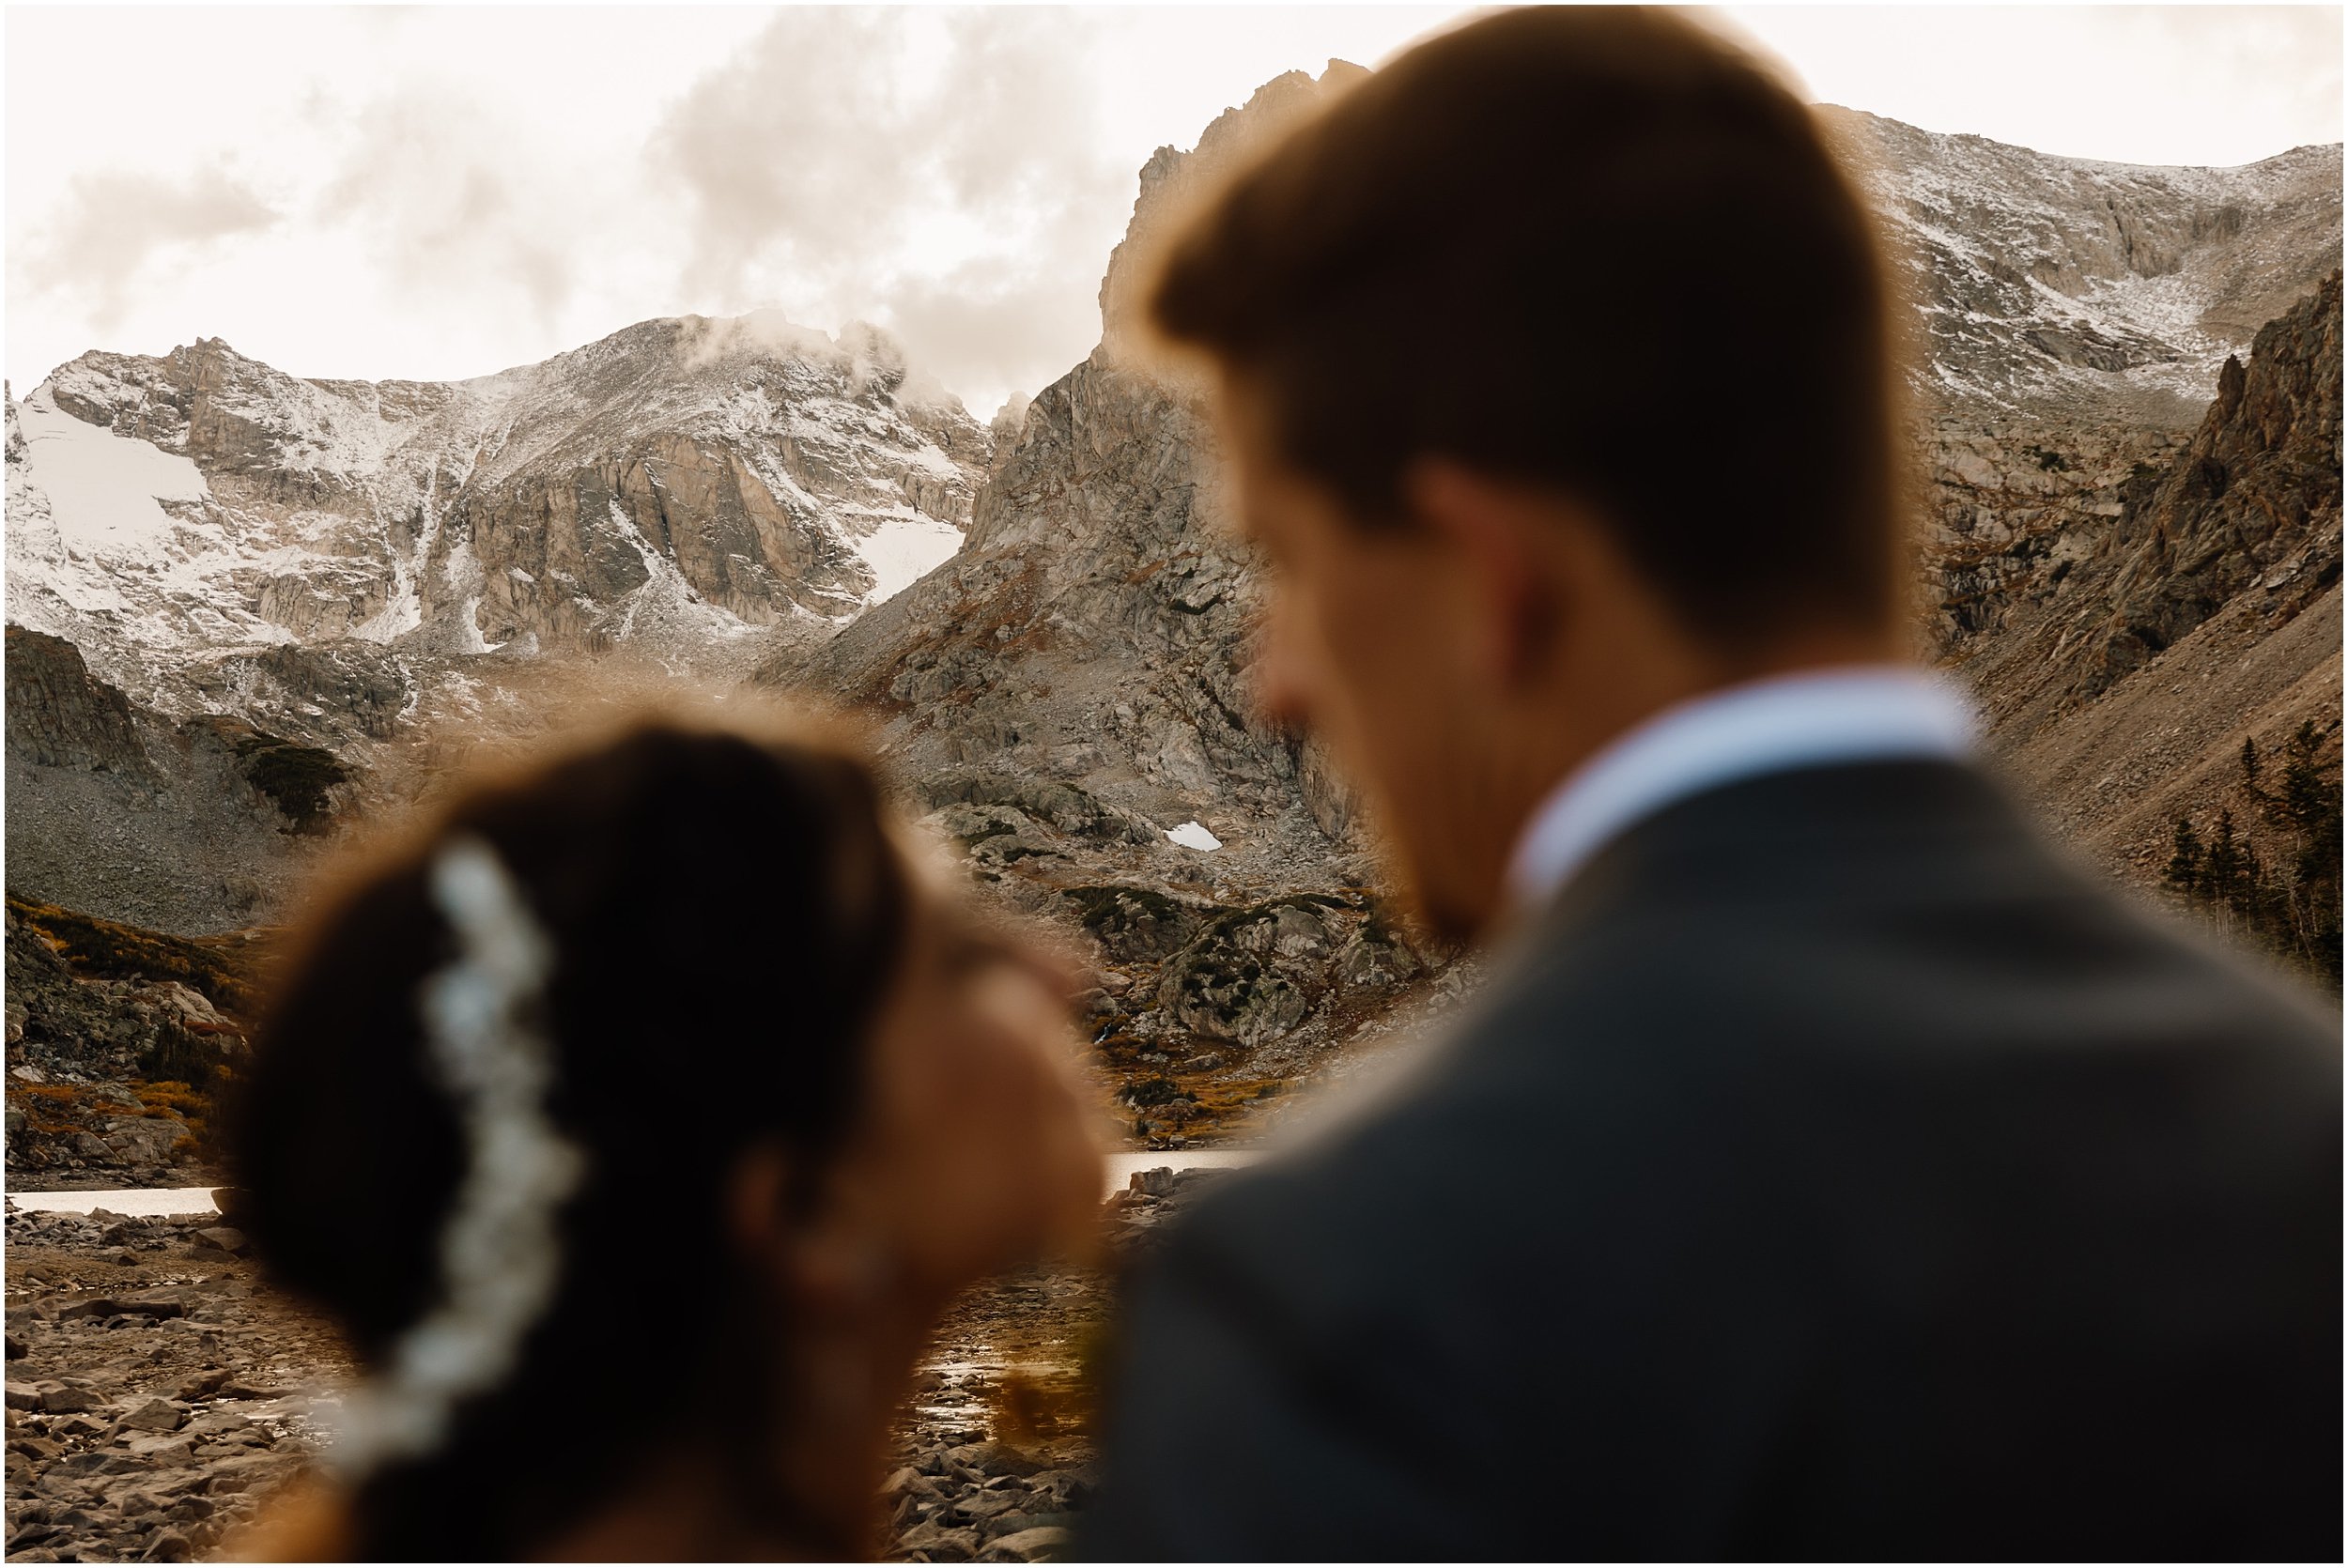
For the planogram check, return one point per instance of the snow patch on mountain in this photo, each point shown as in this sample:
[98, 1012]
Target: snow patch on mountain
[105, 490]
[115, 543]
[902, 550]
[1194, 836]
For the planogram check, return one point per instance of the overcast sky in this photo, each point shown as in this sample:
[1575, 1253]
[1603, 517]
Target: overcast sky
[444, 192]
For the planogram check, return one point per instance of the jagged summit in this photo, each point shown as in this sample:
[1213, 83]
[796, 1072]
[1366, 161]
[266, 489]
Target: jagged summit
[1171, 179]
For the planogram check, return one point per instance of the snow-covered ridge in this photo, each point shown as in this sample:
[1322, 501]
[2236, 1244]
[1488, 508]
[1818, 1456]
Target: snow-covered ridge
[682, 480]
[2066, 284]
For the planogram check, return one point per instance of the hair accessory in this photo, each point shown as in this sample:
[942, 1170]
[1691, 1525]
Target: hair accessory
[499, 1256]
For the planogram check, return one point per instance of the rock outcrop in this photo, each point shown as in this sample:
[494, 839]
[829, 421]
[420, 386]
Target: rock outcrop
[194, 826]
[61, 715]
[117, 1040]
[2250, 499]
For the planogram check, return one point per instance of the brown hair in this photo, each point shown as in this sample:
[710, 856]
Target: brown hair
[1596, 248]
[725, 913]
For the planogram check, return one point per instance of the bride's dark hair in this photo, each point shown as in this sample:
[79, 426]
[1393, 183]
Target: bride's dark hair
[724, 913]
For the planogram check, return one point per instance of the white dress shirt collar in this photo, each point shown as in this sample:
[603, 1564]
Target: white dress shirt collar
[1853, 714]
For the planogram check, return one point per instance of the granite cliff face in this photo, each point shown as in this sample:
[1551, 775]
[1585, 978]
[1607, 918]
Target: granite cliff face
[2251, 499]
[60, 715]
[1099, 563]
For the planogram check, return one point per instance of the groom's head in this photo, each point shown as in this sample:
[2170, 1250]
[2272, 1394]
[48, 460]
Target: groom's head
[1555, 369]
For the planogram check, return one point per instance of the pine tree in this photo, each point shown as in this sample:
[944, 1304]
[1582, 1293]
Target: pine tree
[2222, 881]
[2183, 871]
[2312, 805]
[2292, 905]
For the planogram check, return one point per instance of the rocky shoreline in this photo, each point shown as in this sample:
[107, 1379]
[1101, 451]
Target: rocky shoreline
[155, 1394]
[159, 1394]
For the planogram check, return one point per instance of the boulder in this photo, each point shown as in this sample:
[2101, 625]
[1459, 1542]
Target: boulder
[156, 1415]
[163, 1447]
[1155, 1182]
[980, 1506]
[59, 1398]
[205, 1384]
[939, 1544]
[109, 1306]
[225, 1238]
[1040, 1543]
[908, 1481]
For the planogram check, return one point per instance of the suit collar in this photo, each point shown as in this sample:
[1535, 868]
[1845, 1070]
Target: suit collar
[1809, 719]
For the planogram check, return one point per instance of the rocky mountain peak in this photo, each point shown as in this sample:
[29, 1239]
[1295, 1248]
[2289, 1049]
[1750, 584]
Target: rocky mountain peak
[1171, 181]
[679, 484]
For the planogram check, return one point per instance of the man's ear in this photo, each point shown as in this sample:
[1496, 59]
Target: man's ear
[1496, 529]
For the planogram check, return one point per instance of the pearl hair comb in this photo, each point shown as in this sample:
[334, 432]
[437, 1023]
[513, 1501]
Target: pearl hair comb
[499, 1258]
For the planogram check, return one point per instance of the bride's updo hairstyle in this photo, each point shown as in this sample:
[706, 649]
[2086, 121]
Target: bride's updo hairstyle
[491, 1116]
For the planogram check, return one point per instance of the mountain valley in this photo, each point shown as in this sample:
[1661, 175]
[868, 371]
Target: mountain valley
[250, 613]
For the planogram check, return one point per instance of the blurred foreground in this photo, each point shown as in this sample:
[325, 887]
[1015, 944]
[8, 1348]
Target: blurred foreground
[157, 1396]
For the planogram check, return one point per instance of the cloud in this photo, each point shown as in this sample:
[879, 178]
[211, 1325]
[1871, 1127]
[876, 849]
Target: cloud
[113, 224]
[993, 328]
[2275, 67]
[942, 172]
[460, 209]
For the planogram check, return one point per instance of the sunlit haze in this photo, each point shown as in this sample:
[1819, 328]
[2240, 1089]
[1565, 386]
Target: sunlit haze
[440, 192]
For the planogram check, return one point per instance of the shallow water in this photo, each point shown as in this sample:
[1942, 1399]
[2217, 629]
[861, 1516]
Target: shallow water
[199, 1200]
[121, 1200]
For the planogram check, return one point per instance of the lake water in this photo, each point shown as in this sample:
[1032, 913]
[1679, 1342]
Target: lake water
[1124, 1163]
[199, 1200]
[121, 1200]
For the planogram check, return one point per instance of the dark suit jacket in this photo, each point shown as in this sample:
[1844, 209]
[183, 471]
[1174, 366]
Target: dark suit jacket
[1835, 1171]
